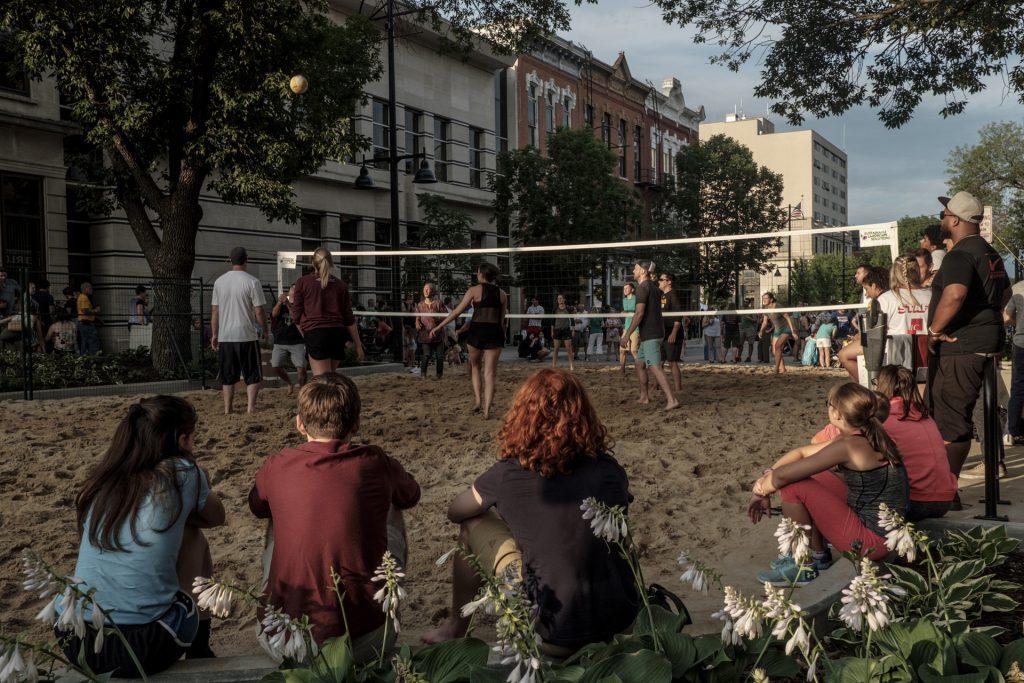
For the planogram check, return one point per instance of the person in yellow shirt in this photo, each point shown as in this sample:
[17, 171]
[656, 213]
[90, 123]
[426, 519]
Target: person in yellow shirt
[89, 336]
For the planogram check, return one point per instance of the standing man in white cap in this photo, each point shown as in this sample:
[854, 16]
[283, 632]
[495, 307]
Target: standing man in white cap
[647, 319]
[237, 319]
[965, 323]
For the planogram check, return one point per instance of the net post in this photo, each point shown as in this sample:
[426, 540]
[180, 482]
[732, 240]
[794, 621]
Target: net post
[894, 240]
[990, 443]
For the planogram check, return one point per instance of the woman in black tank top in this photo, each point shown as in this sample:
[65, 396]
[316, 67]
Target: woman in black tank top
[486, 335]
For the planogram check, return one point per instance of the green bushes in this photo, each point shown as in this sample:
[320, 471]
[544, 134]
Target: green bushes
[66, 370]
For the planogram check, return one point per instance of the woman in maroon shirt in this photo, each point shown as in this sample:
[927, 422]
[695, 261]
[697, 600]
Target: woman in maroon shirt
[322, 309]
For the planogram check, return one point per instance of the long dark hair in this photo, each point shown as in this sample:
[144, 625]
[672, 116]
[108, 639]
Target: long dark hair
[137, 464]
[897, 381]
[860, 408]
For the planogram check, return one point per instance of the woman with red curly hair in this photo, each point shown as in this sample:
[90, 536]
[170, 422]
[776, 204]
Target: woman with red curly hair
[521, 519]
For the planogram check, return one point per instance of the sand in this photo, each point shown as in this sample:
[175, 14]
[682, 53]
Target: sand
[690, 471]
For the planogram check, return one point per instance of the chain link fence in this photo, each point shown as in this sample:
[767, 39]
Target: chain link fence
[65, 335]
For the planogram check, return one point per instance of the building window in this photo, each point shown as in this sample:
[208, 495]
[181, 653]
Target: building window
[567, 113]
[350, 230]
[442, 137]
[606, 130]
[842, 193]
[382, 233]
[500, 112]
[476, 157]
[531, 116]
[588, 115]
[550, 123]
[817, 164]
[413, 138]
[13, 77]
[380, 132]
[311, 237]
[623, 143]
[21, 222]
[638, 133]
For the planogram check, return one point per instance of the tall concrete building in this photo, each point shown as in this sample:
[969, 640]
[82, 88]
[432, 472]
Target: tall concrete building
[814, 175]
[455, 108]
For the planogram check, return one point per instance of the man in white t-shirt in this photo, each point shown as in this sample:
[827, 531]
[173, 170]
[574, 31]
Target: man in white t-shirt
[237, 320]
[932, 241]
[534, 325]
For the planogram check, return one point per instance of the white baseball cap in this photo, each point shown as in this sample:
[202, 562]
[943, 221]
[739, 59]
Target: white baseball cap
[964, 206]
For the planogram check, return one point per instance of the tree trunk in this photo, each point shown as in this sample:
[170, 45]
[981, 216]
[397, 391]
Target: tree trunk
[175, 304]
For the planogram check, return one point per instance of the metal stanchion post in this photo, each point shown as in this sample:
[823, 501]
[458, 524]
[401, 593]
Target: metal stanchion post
[990, 444]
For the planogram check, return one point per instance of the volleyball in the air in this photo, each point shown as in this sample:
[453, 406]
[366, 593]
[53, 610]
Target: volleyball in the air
[298, 84]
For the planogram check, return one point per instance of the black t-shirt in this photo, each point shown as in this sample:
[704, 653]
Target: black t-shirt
[651, 326]
[731, 323]
[978, 325]
[671, 302]
[285, 331]
[583, 588]
[45, 305]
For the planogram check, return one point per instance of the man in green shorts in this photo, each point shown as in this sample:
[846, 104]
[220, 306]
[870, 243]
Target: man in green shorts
[647, 319]
[628, 306]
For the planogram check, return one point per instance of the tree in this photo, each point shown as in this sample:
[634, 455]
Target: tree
[186, 96]
[824, 57]
[722, 191]
[442, 228]
[827, 278]
[993, 171]
[571, 196]
[911, 229]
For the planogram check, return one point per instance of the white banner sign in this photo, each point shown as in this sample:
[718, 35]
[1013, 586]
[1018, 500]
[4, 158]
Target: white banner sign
[876, 235]
[286, 260]
[986, 224]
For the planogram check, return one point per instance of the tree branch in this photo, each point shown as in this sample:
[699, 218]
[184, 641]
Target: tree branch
[138, 219]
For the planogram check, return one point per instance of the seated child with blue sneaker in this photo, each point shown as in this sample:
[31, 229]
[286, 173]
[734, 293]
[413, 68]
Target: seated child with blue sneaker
[836, 488]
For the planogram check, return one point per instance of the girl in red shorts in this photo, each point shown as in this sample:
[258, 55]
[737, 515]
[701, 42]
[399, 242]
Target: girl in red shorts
[837, 488]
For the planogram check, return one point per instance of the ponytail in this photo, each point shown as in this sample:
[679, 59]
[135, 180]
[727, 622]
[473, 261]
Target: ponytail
[861, 408]
[322, 265]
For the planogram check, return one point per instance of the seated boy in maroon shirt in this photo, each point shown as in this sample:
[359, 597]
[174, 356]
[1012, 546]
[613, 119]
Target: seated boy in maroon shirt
[333, 504]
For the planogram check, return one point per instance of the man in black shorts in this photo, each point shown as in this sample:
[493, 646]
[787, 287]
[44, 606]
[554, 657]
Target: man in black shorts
[965, 323]
[237, 320]
[674, 337]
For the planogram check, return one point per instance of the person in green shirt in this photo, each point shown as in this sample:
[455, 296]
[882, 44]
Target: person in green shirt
[628, 306]
[595, 342]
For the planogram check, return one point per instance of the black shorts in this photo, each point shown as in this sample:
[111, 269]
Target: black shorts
[672, 353]
[564, 334]
[485, 336]
[239, 360]
[954, 384]
[327, 343]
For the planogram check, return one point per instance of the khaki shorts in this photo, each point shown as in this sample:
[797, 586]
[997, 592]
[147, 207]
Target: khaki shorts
[492, 542]
[634, 343]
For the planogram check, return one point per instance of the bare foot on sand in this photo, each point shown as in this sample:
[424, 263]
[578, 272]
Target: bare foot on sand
[671, 406]
[291, 390]
[643, 401]
[443, 633]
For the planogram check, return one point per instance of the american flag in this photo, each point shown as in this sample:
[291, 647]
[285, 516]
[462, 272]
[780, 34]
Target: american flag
[796, 212]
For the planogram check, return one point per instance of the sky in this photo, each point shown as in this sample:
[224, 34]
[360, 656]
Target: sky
[891, 173]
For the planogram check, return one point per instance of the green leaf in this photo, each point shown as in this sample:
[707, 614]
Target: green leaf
[710, 651]
[638, 667]
[452, 660]
[997, 602]
[336, 655]
[291, 676]
[487, 674]
[929, 674]
[778, 665]
[978, 650]
[852, 670]
[958, 572]
[568, 674]
[680, 651]
[665, 622]
[913, 582]
[1014, 652]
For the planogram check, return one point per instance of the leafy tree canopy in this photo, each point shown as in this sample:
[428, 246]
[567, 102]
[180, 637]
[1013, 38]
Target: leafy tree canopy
[910, 230]
[443, 227]
[993, 170]
[824, 57]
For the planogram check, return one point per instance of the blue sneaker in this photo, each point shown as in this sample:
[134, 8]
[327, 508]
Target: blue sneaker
[821, 565]
[788, 574]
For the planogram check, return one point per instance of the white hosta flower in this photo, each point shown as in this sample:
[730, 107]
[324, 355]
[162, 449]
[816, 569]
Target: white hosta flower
[38, 578]
[391, 594]
[281, 636]
[607, 523]
[900, 534]
[213, 597]
[812, 668]
[48, 614]
[866, 599]
[759, 676]
[98, 620]
[800, 640]
[482, 602]
[783, 613]
[793, 540]
[443, 560]
[744, 617]
[696, 573]
[71, 608]
[11, 664]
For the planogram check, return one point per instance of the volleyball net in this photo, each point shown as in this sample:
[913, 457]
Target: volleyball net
[807, 270]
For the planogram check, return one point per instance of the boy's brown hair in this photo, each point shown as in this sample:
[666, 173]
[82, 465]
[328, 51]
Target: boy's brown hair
[329, 406]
